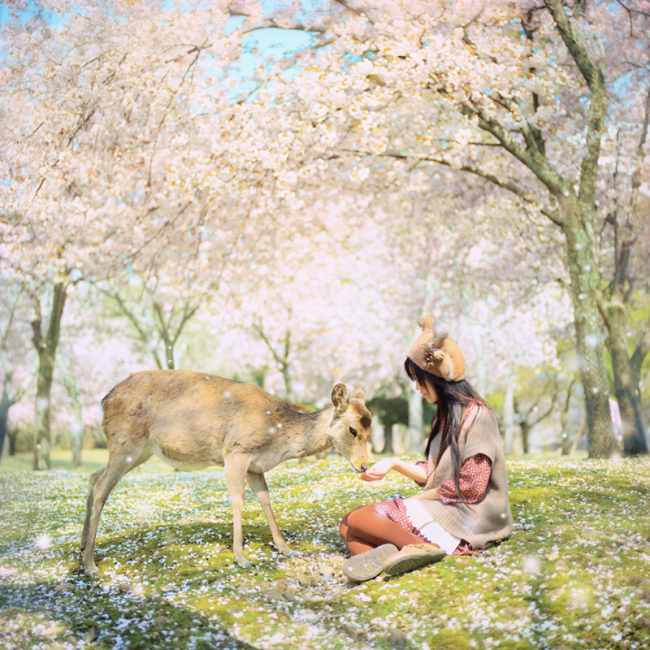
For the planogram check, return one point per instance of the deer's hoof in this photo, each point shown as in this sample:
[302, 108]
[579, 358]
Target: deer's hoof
[289, 553]
[92, 572]
[244, 564]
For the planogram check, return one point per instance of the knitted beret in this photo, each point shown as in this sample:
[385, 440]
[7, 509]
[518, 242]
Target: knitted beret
[436, 353]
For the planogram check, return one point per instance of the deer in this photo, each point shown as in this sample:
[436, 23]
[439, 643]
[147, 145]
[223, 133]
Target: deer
[193, 420]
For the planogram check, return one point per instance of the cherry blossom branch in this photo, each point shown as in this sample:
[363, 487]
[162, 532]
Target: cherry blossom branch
[257, 326]
[10, 321]
[347, 5]
[476, 171]
[631, 11]
[595, 77]
[24, 214]
[133, 319]
[531, 158]
[166, 224]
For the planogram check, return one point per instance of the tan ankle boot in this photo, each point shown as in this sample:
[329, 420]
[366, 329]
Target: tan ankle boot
[366, 566]
[413, 556]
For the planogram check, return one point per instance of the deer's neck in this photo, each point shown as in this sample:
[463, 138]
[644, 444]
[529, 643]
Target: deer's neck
[309, 433]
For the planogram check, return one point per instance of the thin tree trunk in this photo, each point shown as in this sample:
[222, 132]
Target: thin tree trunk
[565, 440]
[628, 396]
[584, 290]
[77, 436]
[5, 405]
[288, 385]
[12, 436]
[46, 358]
[7, 400]
[509, 418]
[77, 429]
[578, 436]
[481, 381]
[414, 436]
[388, 439]
[525, 435]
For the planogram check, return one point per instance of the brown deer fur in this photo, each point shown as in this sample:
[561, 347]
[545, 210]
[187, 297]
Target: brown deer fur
[193, 420]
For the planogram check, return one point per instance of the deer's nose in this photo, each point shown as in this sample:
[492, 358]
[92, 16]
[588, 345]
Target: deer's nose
[364, 467]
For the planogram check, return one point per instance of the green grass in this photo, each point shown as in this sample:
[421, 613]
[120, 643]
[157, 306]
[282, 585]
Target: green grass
[575, 574]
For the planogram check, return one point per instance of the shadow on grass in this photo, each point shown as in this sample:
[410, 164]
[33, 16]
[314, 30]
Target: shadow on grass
[106, 618]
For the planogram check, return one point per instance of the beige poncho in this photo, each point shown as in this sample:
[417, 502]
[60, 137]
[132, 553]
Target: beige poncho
[490, 519]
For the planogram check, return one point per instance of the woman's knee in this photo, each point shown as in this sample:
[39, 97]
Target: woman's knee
[343, 526]
[358, 519]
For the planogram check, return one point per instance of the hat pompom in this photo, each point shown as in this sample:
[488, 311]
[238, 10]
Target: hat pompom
[426, 322]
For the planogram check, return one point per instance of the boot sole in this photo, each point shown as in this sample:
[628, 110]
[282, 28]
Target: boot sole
[367, 566]
[412, 562]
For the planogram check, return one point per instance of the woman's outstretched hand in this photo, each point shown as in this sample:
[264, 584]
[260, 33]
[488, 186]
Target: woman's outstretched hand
[379, 470]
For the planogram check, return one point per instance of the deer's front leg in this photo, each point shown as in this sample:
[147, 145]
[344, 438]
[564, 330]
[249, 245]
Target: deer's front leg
[258, 483]
[236, 467]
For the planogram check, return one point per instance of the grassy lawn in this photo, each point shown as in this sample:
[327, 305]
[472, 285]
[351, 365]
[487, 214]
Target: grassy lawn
[574, 574]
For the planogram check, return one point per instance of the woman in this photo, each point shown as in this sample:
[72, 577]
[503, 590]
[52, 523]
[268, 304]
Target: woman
[464, 504]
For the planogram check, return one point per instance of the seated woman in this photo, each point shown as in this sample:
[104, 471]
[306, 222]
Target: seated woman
[464, 503]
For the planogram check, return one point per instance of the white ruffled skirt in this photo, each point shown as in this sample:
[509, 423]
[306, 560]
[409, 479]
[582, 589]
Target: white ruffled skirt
[429, 528]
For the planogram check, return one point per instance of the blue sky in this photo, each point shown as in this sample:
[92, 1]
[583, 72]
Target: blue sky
[261, 47]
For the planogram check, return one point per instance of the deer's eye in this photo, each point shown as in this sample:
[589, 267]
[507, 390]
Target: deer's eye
[353, 432]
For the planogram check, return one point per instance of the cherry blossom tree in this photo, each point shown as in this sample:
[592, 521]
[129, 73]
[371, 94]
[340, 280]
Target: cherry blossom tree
[116, 159]
[519, 95]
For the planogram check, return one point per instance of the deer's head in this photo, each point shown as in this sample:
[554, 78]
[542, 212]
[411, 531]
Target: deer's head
[350, 428]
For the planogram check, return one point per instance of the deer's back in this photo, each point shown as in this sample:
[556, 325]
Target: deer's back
[187, 415]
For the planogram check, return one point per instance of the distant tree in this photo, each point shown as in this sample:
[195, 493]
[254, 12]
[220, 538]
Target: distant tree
[535, 401]
[10, 395]
[390, 410]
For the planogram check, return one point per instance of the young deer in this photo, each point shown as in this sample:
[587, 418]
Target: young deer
[192, 420]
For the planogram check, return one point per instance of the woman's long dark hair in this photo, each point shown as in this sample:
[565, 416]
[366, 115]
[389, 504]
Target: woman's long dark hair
[453, 399]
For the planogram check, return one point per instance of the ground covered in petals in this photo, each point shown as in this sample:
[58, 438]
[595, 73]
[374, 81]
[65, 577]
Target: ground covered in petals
[574, 574]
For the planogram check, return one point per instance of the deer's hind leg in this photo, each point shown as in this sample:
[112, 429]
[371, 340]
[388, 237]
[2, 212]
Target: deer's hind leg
[101, 484]
[94, 477]
[261, 489]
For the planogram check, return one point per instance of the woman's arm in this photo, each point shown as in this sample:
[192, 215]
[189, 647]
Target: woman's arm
[379, 470]
[474, 478]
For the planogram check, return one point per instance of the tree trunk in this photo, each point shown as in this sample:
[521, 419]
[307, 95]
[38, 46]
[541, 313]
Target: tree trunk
[565, 438]
[7, 400]
[509, 418]
[77, 438]
[525, 435]
[169, 356]
[634, 431]
[414, 437]
[288, 385]
[12, 436]
[586, 316]
[578, 436]
[46, 358]
[5, 405]
[77, 430]
[388, 439]
[481, 381]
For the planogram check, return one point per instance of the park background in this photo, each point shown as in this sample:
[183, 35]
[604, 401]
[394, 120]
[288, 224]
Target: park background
[276, 192]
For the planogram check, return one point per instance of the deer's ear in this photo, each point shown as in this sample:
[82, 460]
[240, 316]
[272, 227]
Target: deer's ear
[360, 394]
[340, 398]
